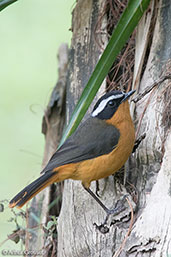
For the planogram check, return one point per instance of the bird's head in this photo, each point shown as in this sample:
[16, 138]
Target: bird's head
[108, 104]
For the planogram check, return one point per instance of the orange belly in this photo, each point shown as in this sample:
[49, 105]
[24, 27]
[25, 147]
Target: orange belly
[102, 166]
[105, 165]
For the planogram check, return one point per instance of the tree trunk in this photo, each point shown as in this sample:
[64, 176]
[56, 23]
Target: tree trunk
[147, 231]
[151, 233]
[38, 238]
[148, 168]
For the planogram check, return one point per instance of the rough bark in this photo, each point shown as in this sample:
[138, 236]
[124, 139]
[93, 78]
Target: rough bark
[148, 172]
[151, 234]
[77, 236]
[52, 127]
[149, 168]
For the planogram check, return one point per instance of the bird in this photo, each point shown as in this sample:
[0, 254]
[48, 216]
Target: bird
[98, 148]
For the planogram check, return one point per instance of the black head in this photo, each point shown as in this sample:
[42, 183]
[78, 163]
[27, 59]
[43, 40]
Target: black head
[107, 105]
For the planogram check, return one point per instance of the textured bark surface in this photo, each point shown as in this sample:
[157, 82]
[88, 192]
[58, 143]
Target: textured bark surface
[148, 172]
[77, 236]
[151, 234]
[52, 127]
[149, 168]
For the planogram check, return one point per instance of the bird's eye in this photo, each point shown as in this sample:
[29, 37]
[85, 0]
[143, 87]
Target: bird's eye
[111, 103]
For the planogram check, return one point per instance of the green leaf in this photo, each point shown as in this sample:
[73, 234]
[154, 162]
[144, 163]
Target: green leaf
[5, 3]
[126, 25]
[50, 224]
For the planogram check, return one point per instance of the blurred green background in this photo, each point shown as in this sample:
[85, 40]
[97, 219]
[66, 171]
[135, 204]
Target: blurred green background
[30, 33]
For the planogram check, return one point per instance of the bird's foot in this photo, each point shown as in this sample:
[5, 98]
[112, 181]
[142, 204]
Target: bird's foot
[119, 207]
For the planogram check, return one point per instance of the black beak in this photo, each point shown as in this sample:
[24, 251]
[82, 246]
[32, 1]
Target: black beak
[127, 95]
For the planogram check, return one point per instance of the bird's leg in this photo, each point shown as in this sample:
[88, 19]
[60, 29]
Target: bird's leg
[97, 188]
[117, 209]
[138, 141]
[97, 199]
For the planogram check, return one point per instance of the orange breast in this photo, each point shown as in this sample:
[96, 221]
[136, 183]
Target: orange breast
[105, 165]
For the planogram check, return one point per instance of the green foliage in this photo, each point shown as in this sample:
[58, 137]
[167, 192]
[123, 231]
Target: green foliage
[20, 219]
[121, 34]
[51, 225]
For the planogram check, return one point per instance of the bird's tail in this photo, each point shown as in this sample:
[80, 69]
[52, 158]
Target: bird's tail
[33, 189]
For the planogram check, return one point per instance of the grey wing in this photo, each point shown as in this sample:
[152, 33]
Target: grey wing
[93, 138]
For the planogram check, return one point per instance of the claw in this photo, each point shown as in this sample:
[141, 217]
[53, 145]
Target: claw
[118, 208]
[102, 228]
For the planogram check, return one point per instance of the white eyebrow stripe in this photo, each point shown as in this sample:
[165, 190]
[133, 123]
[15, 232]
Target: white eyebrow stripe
[103, 104]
